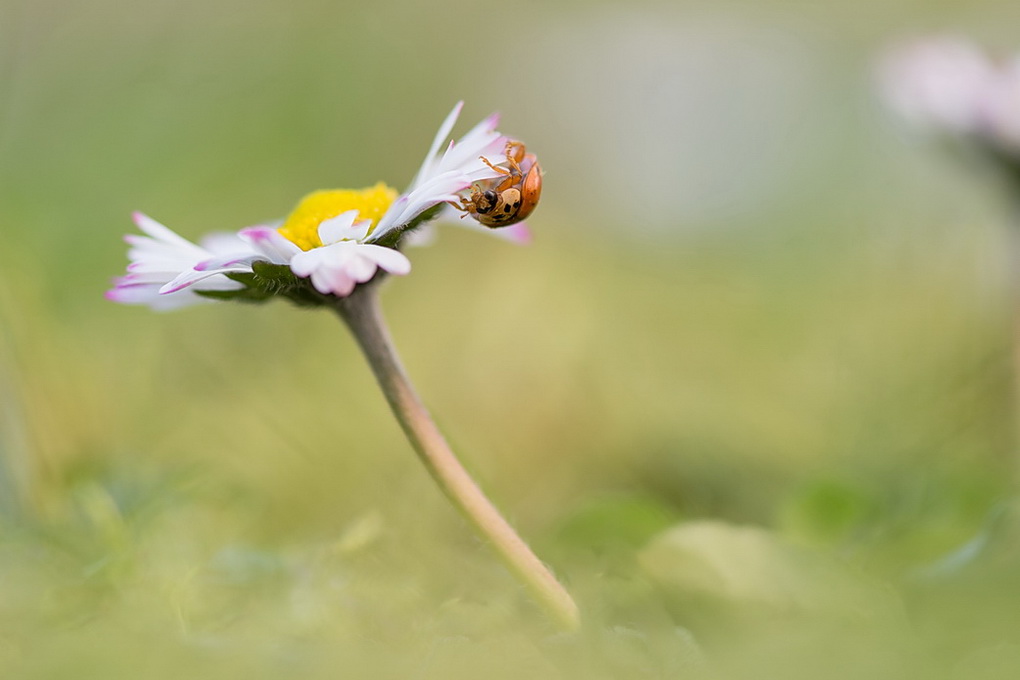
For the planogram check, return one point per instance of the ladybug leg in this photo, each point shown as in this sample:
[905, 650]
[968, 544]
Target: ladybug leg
[465, 210]
[502, 171]
[466, 205]
[510, 177]
[511, 152]
[507, 182]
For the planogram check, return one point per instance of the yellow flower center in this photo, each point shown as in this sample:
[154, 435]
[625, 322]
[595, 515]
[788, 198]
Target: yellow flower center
[302, 226]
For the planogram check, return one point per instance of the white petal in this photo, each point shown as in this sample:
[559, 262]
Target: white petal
[393, 261]
[442, 179]
[445, 187]
[159, 232]
[441, 135]
[333, 281]
[465, 156]
[360, 267]
[482, 131]
[389, 219]
[162, 260]
[271, 243]
[240, 261]
[158, 263]
[149, 295]
[223, 243]
[306, 262]
[335, 269]
[193, 276]
[343, 227]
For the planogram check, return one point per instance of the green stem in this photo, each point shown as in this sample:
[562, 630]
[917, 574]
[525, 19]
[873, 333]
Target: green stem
[363, 316]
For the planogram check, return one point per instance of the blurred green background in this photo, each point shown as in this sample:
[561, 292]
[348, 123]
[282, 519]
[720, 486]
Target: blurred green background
[752, 299]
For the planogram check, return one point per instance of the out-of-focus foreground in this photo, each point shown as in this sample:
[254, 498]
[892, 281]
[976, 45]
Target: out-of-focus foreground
[749, 392]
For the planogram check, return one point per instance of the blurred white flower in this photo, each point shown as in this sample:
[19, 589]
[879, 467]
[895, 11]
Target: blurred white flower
[332, 238]
[951, 86]
[939, 82]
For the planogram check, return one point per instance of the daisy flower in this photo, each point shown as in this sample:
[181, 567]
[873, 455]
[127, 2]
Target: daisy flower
[331, 242]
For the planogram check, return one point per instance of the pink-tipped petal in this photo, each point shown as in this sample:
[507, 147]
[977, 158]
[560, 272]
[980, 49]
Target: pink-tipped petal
[269, 242]
[190, 278]
[333, 281]
[486, 126]
[515, 233]
[158, 231]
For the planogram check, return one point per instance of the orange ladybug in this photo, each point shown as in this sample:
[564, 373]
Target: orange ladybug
[506, 200]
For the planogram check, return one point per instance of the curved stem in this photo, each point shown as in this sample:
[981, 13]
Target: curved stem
[363, 316]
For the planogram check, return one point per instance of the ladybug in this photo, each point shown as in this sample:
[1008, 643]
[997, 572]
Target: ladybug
[506, 200]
